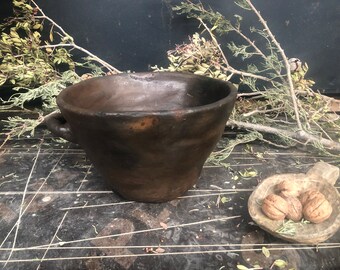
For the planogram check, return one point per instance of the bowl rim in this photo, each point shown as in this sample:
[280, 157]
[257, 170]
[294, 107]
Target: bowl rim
[230, 98]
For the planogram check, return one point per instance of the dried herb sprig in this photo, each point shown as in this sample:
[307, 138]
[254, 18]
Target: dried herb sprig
[289, 227]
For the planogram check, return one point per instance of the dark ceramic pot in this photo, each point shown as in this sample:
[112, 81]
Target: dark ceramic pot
[148, 134]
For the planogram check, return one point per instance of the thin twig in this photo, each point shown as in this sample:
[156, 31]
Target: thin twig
[101, 257]
[228, 67]
[84, 178]
[22, 205]
[216, 42]
[94, 57]
[246, 74]
[141, 247]
[331, 244]
[96, 205]
[129, 202]
[301, 136]
[205, 195]
[285, 60]
[275, 144]
[54, 236]
[64, 192]
[256, 111]
[141, 231]
[35, 194]
[251, 43]
[323, 131]
[44, 16]
[250, 94]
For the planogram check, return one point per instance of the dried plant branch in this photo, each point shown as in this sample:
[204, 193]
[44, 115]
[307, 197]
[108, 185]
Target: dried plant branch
[93, 57]
[301, 136]
[251, 43]
[297, 119]
[216, 43]
[285, 60]
[252, 94]
[228, 67]
[36, 70]
[72, 44]
[257, 111]
[48, 18]
[246, 74]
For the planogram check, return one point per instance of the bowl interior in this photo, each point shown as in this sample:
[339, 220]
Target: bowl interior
[145, 92]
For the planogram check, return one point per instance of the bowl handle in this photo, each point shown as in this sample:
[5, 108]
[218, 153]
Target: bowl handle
[57, 124]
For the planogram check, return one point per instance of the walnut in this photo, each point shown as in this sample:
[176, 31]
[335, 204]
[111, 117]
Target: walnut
[317, 210]
[294, 209]
[275, 207]
[288, 189]
[310, 195]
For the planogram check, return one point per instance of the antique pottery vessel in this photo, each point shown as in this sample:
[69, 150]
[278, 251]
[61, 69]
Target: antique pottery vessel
[148, 134]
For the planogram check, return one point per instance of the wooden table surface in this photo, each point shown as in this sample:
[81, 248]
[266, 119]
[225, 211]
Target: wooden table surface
[56, 213]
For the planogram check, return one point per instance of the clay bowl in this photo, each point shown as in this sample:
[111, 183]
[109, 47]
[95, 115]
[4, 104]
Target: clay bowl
[148, 134]
[305, 233]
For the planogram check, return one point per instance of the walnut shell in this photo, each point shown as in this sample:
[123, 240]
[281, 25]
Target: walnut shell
[294, 209]
[317, 210]
[275, 207]
[310, 195]
[288, 189]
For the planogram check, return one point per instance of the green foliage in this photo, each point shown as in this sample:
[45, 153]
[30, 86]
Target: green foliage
[300, 81]
[27, 57]
[35, 61]
[218, 157]
[243, 4]
[215, 19]
[46, 93]
[221, 25]
[18, 126]
[242, 51]
[199, 57]
[265, 74]
[23, 62]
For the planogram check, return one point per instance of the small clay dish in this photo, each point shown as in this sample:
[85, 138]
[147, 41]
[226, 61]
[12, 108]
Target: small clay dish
[314, 179]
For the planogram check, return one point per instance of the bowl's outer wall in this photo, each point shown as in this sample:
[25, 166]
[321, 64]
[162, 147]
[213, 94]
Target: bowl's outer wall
[150, 157]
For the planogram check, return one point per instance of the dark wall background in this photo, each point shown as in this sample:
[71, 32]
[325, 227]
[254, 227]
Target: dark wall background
[135, 34]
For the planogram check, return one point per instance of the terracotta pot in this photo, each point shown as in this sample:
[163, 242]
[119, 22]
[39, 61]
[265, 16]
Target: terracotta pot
[148, 134]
